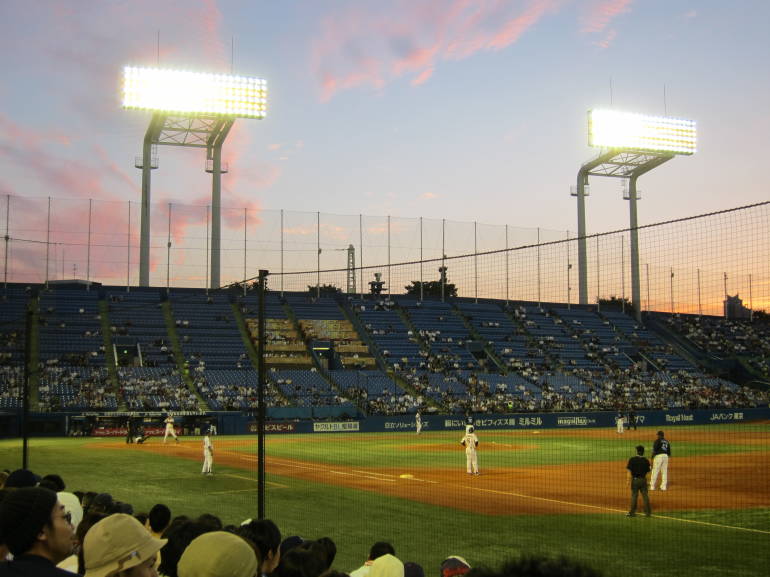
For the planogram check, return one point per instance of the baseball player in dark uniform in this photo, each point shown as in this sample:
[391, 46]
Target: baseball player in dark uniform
[637, 468]
[661, 451]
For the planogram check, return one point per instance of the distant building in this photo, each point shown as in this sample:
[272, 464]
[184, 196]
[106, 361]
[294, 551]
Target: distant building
[734, 308]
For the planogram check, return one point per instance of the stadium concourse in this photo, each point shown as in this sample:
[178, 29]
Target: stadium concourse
[107, 349]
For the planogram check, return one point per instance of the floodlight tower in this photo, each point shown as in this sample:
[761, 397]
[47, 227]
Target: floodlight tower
[194, 110]
[632, 144]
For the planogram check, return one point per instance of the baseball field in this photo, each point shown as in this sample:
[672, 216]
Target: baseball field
[550, 491]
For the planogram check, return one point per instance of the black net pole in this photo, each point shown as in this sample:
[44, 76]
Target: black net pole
[25, 387]
[262, 376]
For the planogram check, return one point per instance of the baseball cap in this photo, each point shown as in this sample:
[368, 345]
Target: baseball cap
[72, 506]
[218, 554]
[454, 565]
[116, 543]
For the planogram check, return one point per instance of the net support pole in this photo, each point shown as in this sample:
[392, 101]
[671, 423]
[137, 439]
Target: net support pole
[636, 289]
[262, 376]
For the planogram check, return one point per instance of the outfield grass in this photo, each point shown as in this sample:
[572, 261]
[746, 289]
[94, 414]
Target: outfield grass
[680, 543]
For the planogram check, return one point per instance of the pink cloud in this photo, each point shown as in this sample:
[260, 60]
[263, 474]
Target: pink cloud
[600, 14]
[359, 49]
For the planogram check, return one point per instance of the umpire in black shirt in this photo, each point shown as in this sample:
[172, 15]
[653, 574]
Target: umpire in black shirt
[638, 467]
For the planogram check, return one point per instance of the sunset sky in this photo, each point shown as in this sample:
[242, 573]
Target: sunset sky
[456, 109]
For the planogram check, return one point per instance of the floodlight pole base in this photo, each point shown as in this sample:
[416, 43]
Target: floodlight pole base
[617, 163]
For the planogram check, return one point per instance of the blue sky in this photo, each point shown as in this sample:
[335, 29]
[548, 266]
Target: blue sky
[464, 110]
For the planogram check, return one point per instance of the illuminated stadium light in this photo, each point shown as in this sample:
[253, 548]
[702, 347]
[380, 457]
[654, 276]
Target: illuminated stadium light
[193, 93]
[614, 129]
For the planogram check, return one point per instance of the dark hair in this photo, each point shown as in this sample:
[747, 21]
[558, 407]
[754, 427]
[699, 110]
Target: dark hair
[159, 517]
[53, 482]
[381, 548]
[306, 560]
[179, 536]
[640, 449]
[89, 520]
[329, 548]
[265, 535]
[88, 498]
[538, 566]
[211, 521]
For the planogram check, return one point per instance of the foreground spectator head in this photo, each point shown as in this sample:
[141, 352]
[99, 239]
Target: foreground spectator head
[218, 554]
[21, 478]
[266, 536]
[387, 566]
[538, 566]
[412, 569]
[102, 503]
[306, 560]
[118, 543]
[211, 521]
[179, 536]
[33, 521]
[159, 518]
[454, 565]
[53, 482]
[72, 506]
[379, 549]
[290, 543]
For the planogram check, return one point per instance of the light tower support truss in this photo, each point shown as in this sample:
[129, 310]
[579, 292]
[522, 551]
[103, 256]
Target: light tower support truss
[617, 163]
[630, 145]
[207, 132]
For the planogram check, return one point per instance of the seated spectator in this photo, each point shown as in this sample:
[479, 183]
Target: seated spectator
[310, 559]
[158, 519]
[387, 566]
[21, 478]
[37, 531]
[377, 550]
[119, 546]
[218, 554]
[454, 565]
[267, 538]
[179, 535]
[75, 511]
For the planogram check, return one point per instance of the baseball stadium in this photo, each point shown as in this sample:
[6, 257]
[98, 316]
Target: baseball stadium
[450, 388]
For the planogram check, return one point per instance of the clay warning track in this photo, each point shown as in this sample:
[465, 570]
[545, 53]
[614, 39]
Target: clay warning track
[725, 481]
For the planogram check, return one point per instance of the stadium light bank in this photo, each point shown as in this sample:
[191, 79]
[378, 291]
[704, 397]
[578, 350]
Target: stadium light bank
[631, 145]
[191, 109]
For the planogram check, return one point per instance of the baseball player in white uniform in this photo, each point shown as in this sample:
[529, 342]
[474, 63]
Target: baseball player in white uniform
[418, 422]
[170, 429]
[620, 423]
[470, 441]
[661, 451]
[208, 455]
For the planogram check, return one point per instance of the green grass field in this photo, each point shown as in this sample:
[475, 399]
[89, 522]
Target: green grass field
[681, 543]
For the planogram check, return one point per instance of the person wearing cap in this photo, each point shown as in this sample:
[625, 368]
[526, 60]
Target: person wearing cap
[638, 467]
[75, 510]
[470, 441]
[661, 451]
[119, 546]
[218, 554]
[208, 454]
[37, 531]
[453, 566]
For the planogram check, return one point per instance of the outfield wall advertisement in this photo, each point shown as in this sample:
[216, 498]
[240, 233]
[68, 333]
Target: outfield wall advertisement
[103, 424]
[519, 421]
